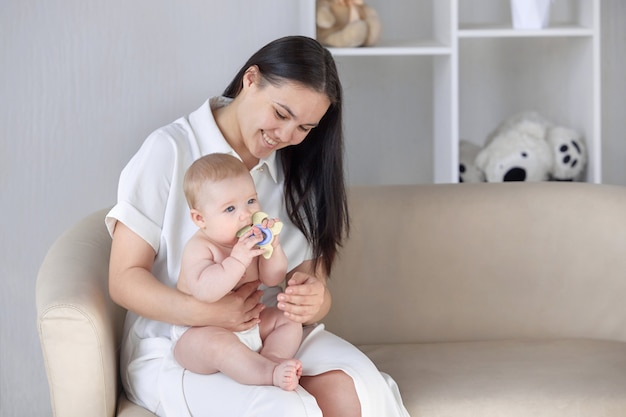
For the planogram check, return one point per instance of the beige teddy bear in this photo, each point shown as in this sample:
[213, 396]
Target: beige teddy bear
[346, 23]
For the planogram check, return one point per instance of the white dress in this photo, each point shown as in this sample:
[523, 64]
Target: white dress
[152, 204]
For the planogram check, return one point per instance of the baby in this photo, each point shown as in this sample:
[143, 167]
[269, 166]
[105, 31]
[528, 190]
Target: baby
[222, 199]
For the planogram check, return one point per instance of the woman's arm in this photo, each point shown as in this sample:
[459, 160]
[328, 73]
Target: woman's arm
[306, 299]
[132, 285]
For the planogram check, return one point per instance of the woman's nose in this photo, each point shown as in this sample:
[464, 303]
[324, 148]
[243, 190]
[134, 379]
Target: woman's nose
[287, 133]
[290, 133]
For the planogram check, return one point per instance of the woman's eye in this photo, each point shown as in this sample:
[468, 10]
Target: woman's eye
[280, 115]
[305, 129]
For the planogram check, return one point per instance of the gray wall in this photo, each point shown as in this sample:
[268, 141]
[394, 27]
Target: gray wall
[81, 85]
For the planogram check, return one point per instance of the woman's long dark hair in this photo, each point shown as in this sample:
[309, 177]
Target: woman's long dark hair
[315, 194]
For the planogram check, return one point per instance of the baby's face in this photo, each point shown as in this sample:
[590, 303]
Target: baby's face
[227, 206]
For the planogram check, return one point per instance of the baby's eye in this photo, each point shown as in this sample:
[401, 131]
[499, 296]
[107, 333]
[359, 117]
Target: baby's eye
[230, 209]
[252, 201]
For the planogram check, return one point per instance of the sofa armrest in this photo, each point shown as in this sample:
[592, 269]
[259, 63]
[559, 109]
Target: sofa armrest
[126, 408]
[79, 326]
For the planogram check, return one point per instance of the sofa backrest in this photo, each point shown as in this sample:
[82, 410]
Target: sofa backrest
[459, 262]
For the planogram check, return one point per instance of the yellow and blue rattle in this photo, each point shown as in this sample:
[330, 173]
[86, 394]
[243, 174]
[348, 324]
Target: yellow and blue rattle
[268, 232]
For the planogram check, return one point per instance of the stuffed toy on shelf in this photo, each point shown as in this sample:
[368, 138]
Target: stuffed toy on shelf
[468, 171]
[528, 147]
[570, 154]
[517, 151]
[346, 23]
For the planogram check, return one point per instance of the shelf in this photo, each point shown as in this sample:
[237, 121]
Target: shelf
[446, 70]
[503, 31]
[408, 48]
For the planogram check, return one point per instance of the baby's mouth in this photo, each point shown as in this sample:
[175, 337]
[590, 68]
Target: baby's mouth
[243, 230]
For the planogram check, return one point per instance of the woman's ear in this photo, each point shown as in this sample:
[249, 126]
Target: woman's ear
[197, 218]
[251, 76]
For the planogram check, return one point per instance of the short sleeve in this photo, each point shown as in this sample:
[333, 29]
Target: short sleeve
[144, 188]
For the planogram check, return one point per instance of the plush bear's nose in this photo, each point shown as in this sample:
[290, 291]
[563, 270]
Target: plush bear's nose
[515, 174]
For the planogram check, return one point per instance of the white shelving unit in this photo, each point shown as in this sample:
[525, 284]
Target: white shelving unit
[450, 69]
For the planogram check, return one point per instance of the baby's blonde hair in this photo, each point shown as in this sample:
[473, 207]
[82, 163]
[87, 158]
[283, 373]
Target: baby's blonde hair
[212, 167]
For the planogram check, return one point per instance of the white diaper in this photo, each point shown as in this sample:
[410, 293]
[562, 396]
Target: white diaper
[250, 338]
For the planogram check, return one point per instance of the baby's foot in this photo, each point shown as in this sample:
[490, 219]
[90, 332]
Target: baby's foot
[287, 374]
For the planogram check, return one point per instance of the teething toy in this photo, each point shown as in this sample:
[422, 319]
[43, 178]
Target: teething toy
[268, 232]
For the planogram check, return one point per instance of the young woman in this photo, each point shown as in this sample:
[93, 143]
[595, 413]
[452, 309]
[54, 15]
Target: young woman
[282, 116]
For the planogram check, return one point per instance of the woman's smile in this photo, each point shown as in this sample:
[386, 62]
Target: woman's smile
[271, 142]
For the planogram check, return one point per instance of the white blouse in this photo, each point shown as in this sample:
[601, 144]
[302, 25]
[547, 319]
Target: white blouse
[152, 204]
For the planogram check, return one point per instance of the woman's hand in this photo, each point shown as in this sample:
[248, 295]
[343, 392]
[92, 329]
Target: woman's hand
[237, 311]
[132, 285]
[306, 299]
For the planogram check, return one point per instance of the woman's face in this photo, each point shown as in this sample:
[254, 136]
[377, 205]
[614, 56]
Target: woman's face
[273, 118]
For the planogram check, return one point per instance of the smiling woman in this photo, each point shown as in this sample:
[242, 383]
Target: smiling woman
[282, 116]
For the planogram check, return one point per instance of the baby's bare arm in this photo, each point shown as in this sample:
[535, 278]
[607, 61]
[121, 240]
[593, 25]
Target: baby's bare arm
[272, 271]
[205, 278]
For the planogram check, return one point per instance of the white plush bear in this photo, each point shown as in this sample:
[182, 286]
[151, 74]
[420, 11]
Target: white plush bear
[528, 121]
[468, 171]
[528, 147]
[516, 155]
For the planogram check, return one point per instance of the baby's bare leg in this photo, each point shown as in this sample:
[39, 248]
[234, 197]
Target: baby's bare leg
[281, 336]
[281, 340]
[207, 350]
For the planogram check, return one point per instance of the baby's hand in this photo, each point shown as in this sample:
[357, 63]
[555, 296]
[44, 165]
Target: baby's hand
[268, 224]
[270, 230]
[246, 247]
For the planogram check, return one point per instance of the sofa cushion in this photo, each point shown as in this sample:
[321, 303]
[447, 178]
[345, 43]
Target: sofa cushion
[574, 377]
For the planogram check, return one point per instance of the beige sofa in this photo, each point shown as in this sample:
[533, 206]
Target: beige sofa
[480, 300]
